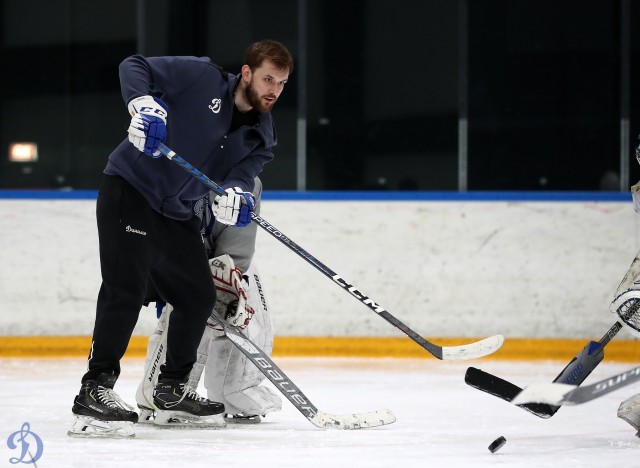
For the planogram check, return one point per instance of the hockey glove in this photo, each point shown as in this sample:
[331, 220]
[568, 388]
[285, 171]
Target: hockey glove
[148, 126]
[234, 207]
[231, 290]
[626, 302]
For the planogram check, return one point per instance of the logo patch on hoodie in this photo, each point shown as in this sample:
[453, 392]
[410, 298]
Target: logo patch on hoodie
[215, 105]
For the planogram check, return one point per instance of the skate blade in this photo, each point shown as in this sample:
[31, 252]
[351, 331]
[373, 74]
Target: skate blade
[239, 419]
[178, 419]
[87, 427]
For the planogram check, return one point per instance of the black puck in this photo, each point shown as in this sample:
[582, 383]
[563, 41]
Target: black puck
[497, 444]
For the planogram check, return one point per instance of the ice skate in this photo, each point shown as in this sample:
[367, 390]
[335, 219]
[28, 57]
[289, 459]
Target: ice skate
[178, 405]
[100, 412]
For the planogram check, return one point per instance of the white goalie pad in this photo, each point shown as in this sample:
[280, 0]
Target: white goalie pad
[629, 410]
[626, 302]
[230, 377]
[156, 355]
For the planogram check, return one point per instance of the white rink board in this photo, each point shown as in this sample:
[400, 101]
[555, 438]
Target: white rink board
[460, 268]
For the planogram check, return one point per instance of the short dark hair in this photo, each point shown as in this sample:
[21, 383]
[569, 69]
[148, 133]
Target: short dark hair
[268, 49]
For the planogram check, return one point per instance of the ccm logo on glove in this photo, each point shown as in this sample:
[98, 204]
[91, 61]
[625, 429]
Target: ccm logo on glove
[148, 126]
[234, 207]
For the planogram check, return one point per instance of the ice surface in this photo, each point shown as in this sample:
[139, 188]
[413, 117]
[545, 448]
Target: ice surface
[441, 421]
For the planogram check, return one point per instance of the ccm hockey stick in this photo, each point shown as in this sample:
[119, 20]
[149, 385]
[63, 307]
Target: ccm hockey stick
[473, 350]
[292, 393]
[563, 394]
[573, 374]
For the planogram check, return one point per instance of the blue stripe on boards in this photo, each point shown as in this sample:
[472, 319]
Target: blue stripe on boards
[48, 194]
[450, 196]
[365, 196]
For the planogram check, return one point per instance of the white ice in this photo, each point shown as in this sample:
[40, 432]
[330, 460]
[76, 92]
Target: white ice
[441, 421]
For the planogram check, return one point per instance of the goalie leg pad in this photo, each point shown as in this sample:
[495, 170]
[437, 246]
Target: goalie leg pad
[257, 400]
[203, 355]
[629, 410]
[156, 353]
[230, 377]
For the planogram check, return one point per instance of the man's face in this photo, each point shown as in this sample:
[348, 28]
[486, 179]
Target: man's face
[265, 85]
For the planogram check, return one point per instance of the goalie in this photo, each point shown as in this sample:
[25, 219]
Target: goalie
[625, 304]
[229, 377]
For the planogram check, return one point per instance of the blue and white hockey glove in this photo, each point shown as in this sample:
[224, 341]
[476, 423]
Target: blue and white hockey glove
[234, 207]
[148, 126]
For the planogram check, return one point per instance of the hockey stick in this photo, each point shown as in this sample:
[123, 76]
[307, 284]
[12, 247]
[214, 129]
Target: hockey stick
[563, 394]
[468, 351]
[292, 393]
[573, 374]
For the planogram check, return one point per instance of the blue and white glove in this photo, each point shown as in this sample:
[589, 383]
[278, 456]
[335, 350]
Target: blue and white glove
[148, 126]
[234, 207]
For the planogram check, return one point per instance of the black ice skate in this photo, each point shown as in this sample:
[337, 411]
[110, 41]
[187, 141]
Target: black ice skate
[100, 412]
[177, 404]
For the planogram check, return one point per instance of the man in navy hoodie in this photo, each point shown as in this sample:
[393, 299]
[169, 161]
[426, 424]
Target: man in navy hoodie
[146, 226]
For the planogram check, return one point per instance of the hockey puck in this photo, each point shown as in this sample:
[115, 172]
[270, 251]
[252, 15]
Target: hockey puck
[497, 444]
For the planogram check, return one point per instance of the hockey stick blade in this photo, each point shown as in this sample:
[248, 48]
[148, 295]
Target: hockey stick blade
[504, 390]
[469, 351]
[292, 393]
[563, 394]
[474, 350]
[574, 373]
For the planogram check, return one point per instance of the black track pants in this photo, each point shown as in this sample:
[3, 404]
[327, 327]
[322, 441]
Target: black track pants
[137, 243]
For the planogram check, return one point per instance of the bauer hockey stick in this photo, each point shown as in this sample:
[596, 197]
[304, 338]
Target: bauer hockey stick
[473, 350]
[563, 394]
[292, 393]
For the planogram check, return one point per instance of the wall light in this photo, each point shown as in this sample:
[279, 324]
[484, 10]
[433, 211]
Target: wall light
[23, 152]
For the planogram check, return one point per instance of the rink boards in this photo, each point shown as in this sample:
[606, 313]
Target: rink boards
[539, 269]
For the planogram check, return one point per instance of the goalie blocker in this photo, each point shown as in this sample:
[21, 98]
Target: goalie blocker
[229, 377]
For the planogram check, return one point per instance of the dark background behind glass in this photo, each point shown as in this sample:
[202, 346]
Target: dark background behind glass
[403, 95]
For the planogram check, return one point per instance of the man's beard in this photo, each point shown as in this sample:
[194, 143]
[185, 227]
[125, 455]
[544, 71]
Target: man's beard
[254, 100]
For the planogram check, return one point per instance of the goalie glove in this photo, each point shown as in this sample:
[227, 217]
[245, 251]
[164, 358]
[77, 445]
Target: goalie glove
[626, 302]
[231, 291]
[234, 207]
[148, 126]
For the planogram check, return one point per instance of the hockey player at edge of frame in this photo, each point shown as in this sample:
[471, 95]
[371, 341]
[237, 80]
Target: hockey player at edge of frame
[229, 377]
[628, 295]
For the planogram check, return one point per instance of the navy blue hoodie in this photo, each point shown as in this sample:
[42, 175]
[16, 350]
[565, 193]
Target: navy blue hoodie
[200, 100]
